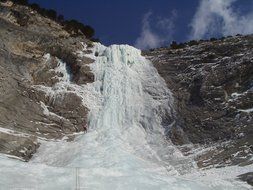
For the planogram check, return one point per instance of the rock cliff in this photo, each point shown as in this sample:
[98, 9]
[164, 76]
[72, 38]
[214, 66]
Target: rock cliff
[212, 82]
[27, 113]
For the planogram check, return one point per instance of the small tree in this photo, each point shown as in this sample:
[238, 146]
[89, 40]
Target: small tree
[21, 2]
[174, 45]
[35, 6]
[51, 14]
[88, 31]
[42, 11]
[213, 39]
[95, 40]
[60, 18]
[192, 43]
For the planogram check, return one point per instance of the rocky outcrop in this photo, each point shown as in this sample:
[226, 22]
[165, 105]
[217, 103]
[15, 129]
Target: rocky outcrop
[248, 177]
[22, 147]
[28, 113]
[212, 82]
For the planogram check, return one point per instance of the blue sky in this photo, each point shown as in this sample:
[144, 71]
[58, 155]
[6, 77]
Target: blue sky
[152, 23]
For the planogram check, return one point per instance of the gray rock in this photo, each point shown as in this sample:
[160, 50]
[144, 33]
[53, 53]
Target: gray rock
[25, 38]
[21, 147]
[211, 83]
[248, 177]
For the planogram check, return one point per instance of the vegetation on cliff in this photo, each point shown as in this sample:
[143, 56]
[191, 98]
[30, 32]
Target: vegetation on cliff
[74, 27]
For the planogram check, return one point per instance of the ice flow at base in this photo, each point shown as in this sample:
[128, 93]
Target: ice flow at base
[125, 146]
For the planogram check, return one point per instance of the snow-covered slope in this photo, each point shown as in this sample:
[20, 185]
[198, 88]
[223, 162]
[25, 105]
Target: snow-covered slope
[125, 146]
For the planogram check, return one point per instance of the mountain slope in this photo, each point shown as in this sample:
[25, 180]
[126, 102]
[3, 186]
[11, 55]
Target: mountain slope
[212, 82]
[23, 49]
[46, 74]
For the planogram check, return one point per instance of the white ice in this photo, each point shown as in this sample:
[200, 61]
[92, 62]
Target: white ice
[125, 146]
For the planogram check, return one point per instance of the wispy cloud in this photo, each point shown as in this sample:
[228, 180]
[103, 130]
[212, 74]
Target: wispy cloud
[219, 17]
[151, 39]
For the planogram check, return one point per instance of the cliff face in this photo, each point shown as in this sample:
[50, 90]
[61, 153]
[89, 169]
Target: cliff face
[212, 83]
[27, 113]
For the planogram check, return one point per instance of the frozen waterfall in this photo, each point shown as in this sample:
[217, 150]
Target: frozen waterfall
[125, 147]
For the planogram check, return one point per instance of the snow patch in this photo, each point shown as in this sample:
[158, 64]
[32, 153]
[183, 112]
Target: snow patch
[246, 110]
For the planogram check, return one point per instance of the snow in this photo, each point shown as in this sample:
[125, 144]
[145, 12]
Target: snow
[45, 109]
[246, 110]
[62, 68]
[12, 132]
[235, 95]
[125, 146]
